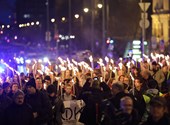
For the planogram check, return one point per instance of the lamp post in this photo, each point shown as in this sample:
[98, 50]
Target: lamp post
[93, 12]
[103, 29]
[48, 33]
[70, 27]
[92, 24]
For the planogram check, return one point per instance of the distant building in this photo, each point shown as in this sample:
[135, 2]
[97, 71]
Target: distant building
[161, 21]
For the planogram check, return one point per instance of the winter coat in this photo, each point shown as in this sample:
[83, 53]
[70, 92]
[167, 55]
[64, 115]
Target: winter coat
[91, 111]
[58, 109]
[163, 121]
[159, 77]
[18, 115]
[40, 103]
[5, 101]
[166, 83]
[116, 99]
[122, 118]
[139, 101]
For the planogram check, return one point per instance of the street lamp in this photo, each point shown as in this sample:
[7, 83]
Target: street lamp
[52, 20]
[63, 19]
[28, 24]
[99, 5]
[8, 26]
[93, 10]
[37, 23]
[76, 16]
[86, 10]
[32, 23]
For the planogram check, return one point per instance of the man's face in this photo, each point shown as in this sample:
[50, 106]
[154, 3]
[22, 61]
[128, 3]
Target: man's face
[39, 84]
[157, 112]
[52, 94]
[68, 90]
[19, 100]
[31, 90]
[144, 75]
[126, 80]
[114, 91]
[7, 89]
[154, 67]
[127, 106]
[137, 83]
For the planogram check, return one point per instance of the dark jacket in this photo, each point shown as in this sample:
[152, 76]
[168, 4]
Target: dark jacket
[122, 118]
[116, 99]
[40, 103]
[165, 120]
[58, 109]
[91, 112]
[140, 104]
[108, 113]
[5, 101]
[118, 117]
[18, 115]
[146, 82]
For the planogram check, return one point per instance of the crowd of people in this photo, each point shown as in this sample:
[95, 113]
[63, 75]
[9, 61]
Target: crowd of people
[138, 94]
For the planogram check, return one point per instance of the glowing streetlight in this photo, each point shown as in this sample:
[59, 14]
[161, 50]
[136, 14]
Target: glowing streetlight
[20, 25]
[15, 37]
[52, 20]
[86, 10]
[3, 26]
[8, 26]
[37, 23]
[32, 23]
[99, 5]
[76, 16]
[28, 24]
[63, 19]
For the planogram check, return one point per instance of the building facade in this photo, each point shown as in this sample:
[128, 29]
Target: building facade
[161, 21]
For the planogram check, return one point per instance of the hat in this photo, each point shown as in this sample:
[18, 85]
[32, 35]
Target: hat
[31, 83]
[19, 92]
[51, 88]
[47, 78]
[154, 63]
[152, 84]
[158, 101]
[5, 85]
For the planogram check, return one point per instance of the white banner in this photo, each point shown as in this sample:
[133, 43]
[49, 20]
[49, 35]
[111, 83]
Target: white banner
[73, 110]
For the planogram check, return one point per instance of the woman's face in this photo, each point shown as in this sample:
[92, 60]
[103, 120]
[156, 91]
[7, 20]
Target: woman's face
[15, 88]
[121, 79]
[135, 71]
[137, 84]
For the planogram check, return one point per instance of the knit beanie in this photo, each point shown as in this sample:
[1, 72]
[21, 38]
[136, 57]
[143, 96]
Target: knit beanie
[31, 83]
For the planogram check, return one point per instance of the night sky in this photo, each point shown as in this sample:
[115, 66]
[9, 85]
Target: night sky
[7, 8]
